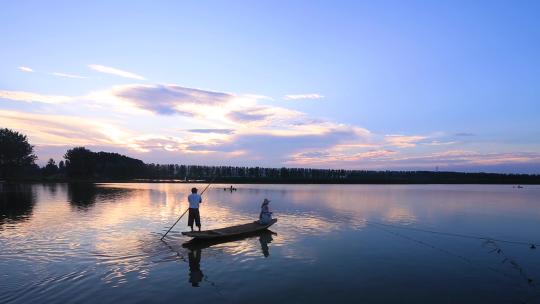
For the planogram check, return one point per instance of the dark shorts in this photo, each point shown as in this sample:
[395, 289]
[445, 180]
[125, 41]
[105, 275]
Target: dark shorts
[194, 215]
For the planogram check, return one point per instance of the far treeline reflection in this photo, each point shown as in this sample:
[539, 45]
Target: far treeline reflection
[17, 200]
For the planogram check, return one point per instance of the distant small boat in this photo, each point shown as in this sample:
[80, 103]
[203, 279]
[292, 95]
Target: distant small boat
[232, 231]
[519, 186]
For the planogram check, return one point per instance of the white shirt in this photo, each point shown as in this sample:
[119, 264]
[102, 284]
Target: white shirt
[194, 200]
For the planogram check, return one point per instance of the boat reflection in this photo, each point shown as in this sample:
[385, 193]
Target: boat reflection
[265, 237]
[196, 247]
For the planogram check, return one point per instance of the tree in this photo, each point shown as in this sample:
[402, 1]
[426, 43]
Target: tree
[50, 168]
[83, 163]
[16, 154]
[80, 162]
[61, 166]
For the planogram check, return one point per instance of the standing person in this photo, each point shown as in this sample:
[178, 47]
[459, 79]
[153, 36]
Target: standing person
[194, 200]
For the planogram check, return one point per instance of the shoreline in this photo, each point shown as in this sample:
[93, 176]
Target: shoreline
[274, 182]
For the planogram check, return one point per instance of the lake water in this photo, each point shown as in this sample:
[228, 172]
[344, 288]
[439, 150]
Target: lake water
[63, 243]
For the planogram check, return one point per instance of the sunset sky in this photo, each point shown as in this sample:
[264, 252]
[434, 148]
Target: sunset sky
[326, 84]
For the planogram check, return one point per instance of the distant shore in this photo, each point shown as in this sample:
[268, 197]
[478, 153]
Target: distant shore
[82, 165]
[275, 181]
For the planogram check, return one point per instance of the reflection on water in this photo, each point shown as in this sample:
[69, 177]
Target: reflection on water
[196, 247]
[84, 195]
[264, 240]
[16, 202]
[195, 273]
[89, 243]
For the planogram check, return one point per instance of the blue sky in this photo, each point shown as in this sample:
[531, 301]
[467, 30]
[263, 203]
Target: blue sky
[331, 84]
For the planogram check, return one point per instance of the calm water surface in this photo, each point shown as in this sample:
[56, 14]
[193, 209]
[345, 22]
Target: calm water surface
[63, 243]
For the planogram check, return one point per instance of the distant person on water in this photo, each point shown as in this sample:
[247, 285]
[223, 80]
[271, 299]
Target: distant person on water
[194, 200]
[265, 216]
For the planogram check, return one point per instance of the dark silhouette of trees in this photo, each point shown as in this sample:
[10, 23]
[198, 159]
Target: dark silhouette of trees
[16, 154]
[17, 202]
[51, 168]
[83, 163]
[229, 174]
[80, 162]
[61, 167]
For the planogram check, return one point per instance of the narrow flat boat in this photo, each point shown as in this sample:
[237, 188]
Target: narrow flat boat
[229, 231]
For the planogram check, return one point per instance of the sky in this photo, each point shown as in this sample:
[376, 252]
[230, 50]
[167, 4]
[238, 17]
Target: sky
[376, 85]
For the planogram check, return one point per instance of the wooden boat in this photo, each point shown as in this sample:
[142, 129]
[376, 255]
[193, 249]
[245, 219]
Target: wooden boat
[229, 231]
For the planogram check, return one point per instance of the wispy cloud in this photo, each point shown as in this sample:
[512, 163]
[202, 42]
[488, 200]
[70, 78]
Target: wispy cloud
[34, 97]
[336, 158]
[63, 130]
[248, 116]
[217, 131]
[68, 75]
[303, 96]
[404, 141]
[169, 99]
[439, 143]
[115, 71]
[465, 134]
[25, 69]
[467, 157]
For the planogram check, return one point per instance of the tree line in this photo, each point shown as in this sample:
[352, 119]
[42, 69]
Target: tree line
[17, 161]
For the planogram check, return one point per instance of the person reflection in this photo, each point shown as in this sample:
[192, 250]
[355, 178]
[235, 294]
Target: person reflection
[195, 273]
[265, 239]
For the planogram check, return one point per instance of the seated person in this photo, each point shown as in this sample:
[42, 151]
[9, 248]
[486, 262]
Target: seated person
[265, 216]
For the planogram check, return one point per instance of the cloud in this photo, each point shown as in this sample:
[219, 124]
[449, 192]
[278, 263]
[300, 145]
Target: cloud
[34, 97]
[398, 160]
[170, 99]
[271, 147]
[63, 130]
[235, 111]
[270, 118]
[69, 131]
[403, 141]
[303, 96]
[249, 129]
[68, 75]
[172, 122]
[147, 143]
[335, 158]
[466, 158]
[25, 69]
[251, 115]
[439, 143]
[464, 134]
[218, 131]
[115, 71]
